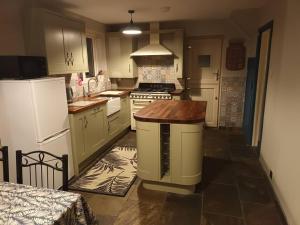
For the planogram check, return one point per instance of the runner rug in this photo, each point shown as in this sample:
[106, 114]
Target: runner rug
[112, 175]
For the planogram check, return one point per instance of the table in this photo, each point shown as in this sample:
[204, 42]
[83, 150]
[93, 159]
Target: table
[22, 204]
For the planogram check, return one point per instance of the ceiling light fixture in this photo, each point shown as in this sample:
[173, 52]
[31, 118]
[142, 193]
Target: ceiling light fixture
[131, 29]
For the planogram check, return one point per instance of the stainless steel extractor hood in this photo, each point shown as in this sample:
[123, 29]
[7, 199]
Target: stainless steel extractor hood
[154, 48]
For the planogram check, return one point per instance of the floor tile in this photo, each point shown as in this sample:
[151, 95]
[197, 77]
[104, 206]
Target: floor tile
[216, 219]
[105, 220]
[254, 190]
[258, 214]
[139, 213]
[231, 174]
[106, 205]
[249, 169]
[242, 153]
[181, 209]
[139, 193]
[218, 171]
[223, 199]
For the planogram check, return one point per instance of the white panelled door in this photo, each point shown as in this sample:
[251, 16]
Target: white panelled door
[203, 81]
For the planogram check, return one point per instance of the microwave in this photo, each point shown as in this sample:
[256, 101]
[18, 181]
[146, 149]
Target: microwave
[22, 67]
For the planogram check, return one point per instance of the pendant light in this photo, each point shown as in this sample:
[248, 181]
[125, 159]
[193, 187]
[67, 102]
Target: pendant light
[131, 29]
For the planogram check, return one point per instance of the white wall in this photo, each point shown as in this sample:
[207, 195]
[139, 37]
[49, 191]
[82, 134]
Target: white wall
[280, 150]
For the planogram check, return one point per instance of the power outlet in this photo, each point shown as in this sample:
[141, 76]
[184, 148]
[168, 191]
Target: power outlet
[271, 174]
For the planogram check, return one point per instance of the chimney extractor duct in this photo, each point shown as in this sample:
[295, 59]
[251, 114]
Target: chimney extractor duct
[154, 48]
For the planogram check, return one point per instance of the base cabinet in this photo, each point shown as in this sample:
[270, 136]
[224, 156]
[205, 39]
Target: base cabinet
[95, 129]
[114, 123]
[92, 129]
[89, 133]
[148, 145]
[170, 153]
[125, 112]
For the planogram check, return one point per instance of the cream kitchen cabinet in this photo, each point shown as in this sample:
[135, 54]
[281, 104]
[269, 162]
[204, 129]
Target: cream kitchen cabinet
[114, 123]
[60, 39]
[170, 159]
[89, 133]
[173, 40]
[119, 48]
[125, 112]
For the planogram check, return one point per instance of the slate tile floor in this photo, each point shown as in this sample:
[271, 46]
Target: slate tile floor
[234, 191]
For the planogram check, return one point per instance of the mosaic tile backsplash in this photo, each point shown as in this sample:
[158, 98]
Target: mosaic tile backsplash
[232, 101]
[157, 69]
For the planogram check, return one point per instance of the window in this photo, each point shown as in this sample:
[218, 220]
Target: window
[90, 54]
[204, 60]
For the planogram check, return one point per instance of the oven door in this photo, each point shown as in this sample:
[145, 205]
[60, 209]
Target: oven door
[136, 105]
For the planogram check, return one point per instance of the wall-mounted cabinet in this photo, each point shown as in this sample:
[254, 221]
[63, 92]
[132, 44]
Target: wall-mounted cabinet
[60, 39]
[173, 40]
[119, 48]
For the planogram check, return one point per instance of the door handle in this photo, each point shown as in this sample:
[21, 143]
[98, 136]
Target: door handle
[176, 67]
[217, 75]
[129, 67]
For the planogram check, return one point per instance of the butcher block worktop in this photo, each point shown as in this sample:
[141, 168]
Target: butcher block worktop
[78, 109]
[109, 93]
[166, 111]
[98, 99]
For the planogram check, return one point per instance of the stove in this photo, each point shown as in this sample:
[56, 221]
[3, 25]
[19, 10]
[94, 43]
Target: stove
[153, 91]
[147, 93]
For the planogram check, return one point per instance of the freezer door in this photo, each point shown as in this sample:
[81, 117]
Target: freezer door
[59, 145]
[50, 106]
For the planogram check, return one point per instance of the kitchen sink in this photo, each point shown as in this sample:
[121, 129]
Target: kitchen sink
[113, 105]
[111, 92]
[81, 103]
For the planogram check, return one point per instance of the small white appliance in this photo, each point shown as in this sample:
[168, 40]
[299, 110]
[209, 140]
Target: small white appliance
[34, 116]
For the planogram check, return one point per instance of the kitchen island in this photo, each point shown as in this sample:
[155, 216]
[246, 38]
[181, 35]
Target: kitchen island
[169, 145]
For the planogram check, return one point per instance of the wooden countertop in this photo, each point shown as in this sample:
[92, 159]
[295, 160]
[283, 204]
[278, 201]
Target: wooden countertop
[78, 109]
[125, 93]
[170, 111]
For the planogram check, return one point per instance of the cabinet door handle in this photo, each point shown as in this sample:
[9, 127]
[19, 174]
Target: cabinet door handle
[82, 126]
[129, 67]
[67, 58]
[86, 122]
[176, 67]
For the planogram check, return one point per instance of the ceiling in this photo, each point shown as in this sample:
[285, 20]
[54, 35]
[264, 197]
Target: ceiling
[115, 11]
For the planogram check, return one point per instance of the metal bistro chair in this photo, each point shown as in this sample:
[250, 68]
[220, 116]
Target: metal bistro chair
[35, 162]
[4, 160]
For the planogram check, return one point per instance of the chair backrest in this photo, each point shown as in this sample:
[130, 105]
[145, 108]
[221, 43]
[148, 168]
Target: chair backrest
[4, 160]
[35, 162]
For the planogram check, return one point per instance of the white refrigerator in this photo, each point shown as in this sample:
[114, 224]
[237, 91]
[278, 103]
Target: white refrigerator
[34, 116]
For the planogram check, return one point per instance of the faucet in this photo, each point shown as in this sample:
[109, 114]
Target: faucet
[89, 88]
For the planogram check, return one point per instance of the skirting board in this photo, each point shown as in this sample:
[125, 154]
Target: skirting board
[288, 216]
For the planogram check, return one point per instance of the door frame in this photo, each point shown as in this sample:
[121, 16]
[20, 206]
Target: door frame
[261, 30]
[187, 69]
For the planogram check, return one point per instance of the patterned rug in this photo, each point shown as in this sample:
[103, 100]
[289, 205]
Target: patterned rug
[112, 175]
